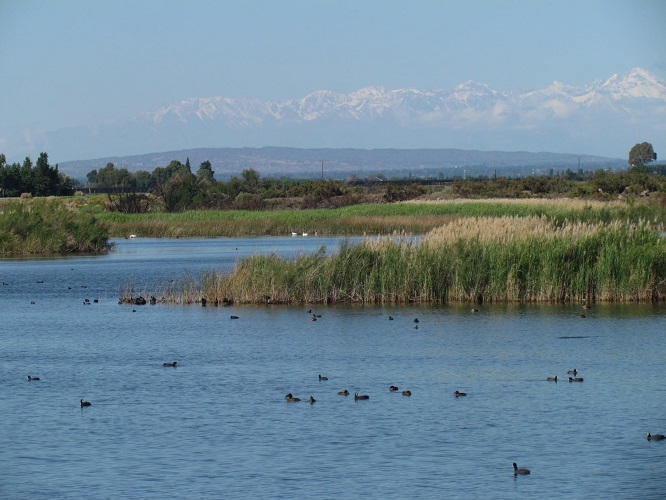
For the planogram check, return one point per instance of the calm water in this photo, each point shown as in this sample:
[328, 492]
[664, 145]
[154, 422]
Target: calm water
[218, 426]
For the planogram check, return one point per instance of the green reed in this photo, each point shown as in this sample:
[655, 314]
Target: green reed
[526, 260]
[373, 219]
[50, 227]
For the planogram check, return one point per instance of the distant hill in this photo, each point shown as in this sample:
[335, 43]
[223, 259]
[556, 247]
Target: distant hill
[343, 163]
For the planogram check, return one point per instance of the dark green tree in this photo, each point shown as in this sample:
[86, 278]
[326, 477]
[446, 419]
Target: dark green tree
[205, 172]
[641, 154]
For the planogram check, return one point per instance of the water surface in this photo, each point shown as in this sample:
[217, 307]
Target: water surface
[218, 425]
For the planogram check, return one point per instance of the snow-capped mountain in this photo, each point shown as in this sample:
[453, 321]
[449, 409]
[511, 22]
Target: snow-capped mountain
[604, 118]
[412, 106]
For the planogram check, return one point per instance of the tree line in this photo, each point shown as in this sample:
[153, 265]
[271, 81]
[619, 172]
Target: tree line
[39, 179]
[176, 187]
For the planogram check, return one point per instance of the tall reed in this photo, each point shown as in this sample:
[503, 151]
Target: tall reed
[467, 260]
[50, 227]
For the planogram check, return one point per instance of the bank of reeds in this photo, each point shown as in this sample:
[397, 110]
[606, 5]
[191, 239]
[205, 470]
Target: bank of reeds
[48, 227]
[483, 259]
[409, 217]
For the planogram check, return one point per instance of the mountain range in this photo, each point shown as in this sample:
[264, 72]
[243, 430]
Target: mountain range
[603, 118]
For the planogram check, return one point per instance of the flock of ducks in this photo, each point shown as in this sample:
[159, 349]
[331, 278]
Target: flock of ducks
[573, 372]
[290, 398]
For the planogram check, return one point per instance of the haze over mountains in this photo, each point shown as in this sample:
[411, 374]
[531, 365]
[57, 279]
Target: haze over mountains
[603, 118]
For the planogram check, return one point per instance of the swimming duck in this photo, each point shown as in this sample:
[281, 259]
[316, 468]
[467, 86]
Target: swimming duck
[393, 388]
[458, 394]
[655, 437]
[343, 393]
[390, 318]
[575, 379]
[311, 400]
[552, 379]
[406, 393]
[32, 378]
[174, 364]
[291, 399]
[363, 396]
[85, 403]
[572, 372]
[322, 378]
[416, 320]
[517, 471]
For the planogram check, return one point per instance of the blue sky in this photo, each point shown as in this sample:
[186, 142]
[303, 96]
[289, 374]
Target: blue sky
[74, 62]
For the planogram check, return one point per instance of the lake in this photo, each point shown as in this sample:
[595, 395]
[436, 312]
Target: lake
[218, 425]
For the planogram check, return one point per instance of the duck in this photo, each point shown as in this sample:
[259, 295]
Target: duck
[174, 364]
[572, 372]
[393, 388]
[552, 379]
[655, 437]
[311, 400]
[458, 394]
[362, 396]
[416, 320]
[575, 379]
[322, 378]
[406, 393]
[32, 378]
[474, 310]
[517, 471]
[343, 393]
[291, 399]
[390, 318]
[85, 403]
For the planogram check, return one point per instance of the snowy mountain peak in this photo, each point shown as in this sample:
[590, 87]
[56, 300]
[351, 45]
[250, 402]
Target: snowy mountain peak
[637, 83]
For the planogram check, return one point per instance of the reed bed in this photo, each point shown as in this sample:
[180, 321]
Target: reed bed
[48, 227]
[482, 259]
[374, 219]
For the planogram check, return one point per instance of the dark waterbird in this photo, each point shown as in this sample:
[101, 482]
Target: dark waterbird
[291, 399]
[655, 437]
[32, 378]
[343, 393]
[406, 393]
[85, 403]
[517, 471]
[552, 379]
[174, 364]
[322, 378]
[575, 379]
[311, 400]
[458, 394]
[393, 388]
[362, 396]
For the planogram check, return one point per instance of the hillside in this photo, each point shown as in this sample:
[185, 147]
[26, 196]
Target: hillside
[342, 163]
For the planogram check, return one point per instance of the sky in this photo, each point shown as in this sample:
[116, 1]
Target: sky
[77, 62]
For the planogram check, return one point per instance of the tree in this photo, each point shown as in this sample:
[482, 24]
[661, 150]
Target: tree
[641, 154]
[250, 180]
[205, 172]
